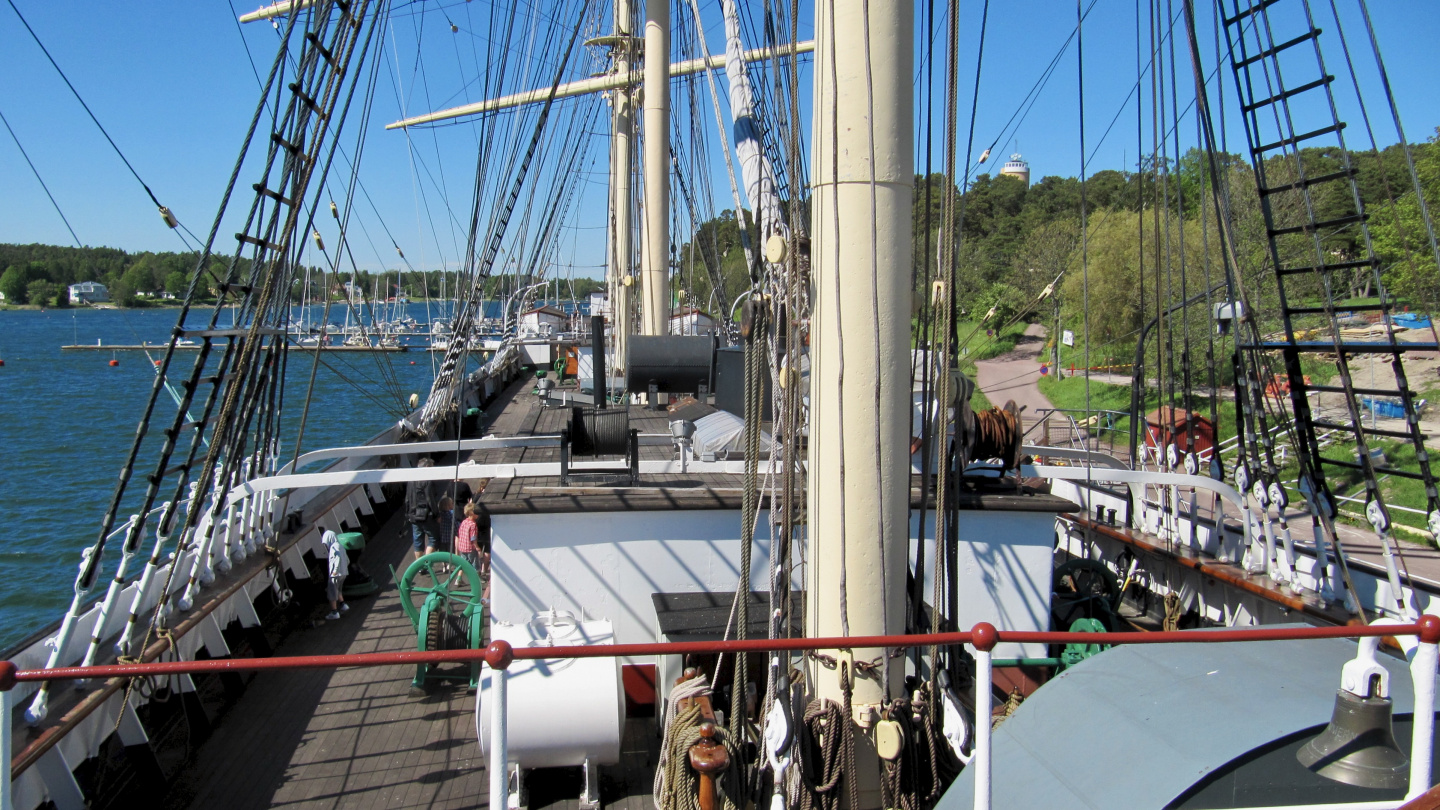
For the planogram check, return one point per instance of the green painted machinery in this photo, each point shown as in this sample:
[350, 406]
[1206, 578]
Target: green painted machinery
[440, 592]
[358, 583]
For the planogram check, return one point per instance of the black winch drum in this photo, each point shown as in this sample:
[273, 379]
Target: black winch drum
[599, 432]
[671, 364]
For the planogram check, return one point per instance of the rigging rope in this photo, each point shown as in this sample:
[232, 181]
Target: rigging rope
[164, 212]
[443, 391]
[40, 179]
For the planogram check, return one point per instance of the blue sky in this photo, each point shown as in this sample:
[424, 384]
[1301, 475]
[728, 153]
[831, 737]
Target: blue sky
[172, 84]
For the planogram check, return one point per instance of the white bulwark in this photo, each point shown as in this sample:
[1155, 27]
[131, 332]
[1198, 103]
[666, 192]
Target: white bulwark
[89, 292]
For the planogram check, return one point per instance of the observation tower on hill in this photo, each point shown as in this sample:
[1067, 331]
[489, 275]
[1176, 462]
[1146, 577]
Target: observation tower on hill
[1017, 168]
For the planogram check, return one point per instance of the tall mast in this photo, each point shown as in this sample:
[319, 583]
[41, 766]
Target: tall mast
[859, 487]
[656, 282]
[622, 125]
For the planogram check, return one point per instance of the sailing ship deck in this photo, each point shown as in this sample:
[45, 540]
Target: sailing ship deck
[519, 412]
[358, 738]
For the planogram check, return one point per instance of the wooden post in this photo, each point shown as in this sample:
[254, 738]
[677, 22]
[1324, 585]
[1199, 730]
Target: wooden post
[708, 758]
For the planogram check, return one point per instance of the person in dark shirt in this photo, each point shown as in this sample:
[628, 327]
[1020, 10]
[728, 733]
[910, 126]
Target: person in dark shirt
[422, 511]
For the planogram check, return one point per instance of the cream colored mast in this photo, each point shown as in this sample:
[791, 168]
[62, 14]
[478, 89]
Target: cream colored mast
[859, 484]
[655, 284]
[622, 126]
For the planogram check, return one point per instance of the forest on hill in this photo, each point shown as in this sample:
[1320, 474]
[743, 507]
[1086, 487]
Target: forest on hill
[1151, 241]
[40, 274]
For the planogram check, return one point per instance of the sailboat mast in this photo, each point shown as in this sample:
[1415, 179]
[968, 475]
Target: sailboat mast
[859, 485]
[656, 283]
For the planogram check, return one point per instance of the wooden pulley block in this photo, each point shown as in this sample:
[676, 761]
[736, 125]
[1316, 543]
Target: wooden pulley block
[889, 740]
[752, 312]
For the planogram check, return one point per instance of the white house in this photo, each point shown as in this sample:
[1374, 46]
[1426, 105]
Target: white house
[89, 292]
[691, 321]
[545, 320]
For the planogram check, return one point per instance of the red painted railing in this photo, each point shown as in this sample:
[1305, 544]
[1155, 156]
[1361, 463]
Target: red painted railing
[983, 637]
[500, 654]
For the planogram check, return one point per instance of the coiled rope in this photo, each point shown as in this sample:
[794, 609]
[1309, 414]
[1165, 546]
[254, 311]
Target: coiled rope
[996, 432]
[829, 755]
[677, 785]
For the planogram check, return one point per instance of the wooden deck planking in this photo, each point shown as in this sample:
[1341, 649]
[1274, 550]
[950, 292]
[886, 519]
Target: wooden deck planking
[356, 738]
[351, 738]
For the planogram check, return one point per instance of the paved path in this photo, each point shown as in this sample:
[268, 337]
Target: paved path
[1014, 375]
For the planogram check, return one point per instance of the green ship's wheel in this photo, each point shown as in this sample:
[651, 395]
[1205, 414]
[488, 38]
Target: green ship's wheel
[452, 582]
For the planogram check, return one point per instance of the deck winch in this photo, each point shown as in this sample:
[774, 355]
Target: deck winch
[597, 432]
[449, 614]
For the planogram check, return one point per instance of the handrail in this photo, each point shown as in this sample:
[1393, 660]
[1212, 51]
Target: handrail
[1427, 628]
[412, 448]
[1092, 456]
[983, 638]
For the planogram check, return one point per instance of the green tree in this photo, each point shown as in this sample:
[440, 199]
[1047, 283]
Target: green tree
[1399, 233]
[999, 305]
[1112, 272]
[135, 280]
[176, 282]
[12, 283]
[716, 244]
[39, 291]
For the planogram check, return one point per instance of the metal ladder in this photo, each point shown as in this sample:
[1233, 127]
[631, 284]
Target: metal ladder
[1286, 108]
[246, 355]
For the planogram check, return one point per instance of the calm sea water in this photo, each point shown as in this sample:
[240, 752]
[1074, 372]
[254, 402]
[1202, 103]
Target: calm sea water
[67, 420]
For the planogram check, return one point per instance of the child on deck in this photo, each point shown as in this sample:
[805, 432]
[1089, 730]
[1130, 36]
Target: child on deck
[339, 560]
[473, 542]
[446, 518]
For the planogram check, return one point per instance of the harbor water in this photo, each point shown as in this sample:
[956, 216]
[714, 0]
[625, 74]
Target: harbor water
[68, 420]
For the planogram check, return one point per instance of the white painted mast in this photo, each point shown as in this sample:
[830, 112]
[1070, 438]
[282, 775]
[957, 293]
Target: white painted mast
[622, 126]
[655, 284]
[859, 486]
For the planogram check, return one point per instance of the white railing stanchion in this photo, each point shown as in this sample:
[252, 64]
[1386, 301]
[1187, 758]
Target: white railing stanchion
[983, 638]
[7, 733]
[498, 656]
[1422, 672]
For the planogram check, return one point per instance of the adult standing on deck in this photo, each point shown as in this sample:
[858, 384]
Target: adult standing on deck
[421, 512]
[445, 539]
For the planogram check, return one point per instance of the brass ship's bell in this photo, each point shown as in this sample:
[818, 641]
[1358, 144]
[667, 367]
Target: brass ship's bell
[1358, 747]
